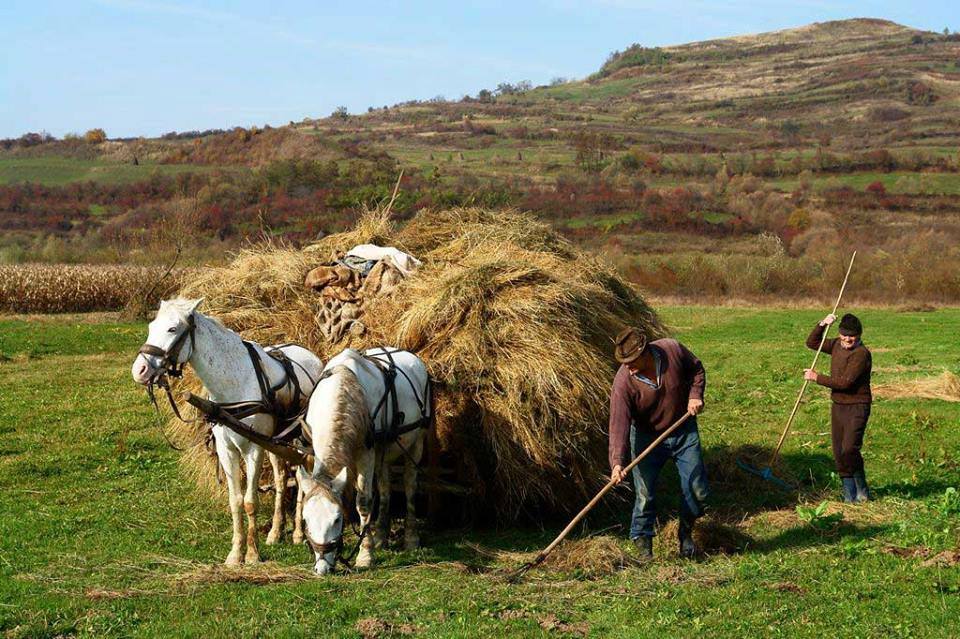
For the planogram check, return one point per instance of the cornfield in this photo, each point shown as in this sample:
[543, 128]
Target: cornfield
[75, 288]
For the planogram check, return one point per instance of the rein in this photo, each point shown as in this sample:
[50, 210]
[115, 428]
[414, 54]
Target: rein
[170, 366]
[337, 544]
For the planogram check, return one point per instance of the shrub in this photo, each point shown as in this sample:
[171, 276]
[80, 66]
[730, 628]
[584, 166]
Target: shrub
[95, 136]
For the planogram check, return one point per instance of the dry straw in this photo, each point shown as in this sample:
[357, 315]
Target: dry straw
[511, 319]
[945, 386]
[589, 557]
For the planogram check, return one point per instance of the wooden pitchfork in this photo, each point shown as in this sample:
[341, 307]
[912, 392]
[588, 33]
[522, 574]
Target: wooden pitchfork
[767, 471]
[519, 572]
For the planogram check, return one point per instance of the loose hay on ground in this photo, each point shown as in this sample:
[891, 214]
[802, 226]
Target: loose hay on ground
[945, 386]
[513, 322]
[589, 557]
[713, 537]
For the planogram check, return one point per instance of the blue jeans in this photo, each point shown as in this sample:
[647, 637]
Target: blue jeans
[683, 446]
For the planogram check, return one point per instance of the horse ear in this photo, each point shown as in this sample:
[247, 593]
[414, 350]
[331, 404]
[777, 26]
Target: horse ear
[195, 304]
[340, 481]
[307, 482]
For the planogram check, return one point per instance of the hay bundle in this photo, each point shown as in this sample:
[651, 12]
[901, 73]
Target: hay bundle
[512, 321]
[712, 536]
[945, 386]
[591, 557]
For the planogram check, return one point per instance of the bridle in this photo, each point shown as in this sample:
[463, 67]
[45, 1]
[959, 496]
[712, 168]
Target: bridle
[170, 363]
[323, 549]
[170, 366]
[336, 546]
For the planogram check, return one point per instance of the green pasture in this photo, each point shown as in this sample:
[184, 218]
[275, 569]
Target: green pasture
[906, 182]
[101, 534]
[56, 171]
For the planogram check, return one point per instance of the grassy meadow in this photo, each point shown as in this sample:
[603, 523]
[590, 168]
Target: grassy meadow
[102, 536]
[57, 171]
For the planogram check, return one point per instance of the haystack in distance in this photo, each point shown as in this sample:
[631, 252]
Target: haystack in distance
[513, 322]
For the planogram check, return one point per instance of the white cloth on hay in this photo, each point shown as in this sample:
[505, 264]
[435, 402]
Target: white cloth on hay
[403, 262]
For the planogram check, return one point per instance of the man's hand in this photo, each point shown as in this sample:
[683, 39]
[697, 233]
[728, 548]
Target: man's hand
[695, 406]
[617, 475]
[828, 320]
[810, 375]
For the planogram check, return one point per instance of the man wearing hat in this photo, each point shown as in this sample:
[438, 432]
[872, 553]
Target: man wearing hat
[849, 384]
[656, 384]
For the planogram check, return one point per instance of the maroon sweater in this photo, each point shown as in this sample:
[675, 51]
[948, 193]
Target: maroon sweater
[682, 378]
[849, 378]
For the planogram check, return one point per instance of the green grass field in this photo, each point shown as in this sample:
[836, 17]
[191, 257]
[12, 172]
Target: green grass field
[56, 171]
[102, 536]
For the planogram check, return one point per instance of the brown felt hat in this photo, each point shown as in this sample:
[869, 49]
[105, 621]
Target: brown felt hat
[630, 344]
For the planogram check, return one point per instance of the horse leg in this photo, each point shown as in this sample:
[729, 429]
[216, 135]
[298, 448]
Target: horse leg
[279, 488]
[382, 528]
[230, 463]
[411, 540]
[254, 459]
[298, 516]
[365, 490]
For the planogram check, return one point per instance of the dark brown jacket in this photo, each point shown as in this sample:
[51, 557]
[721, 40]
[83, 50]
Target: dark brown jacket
[849, 379]
[682, 378]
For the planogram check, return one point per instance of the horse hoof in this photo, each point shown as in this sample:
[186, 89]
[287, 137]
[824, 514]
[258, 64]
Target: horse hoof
[273, 538]
[364, 560]
[297, 539]
[233, 560]
[252, 558]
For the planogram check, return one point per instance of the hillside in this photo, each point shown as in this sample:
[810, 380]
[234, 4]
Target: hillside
[834, 132]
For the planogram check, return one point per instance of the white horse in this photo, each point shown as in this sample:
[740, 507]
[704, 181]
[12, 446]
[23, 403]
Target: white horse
[182, 335]
[351, 402]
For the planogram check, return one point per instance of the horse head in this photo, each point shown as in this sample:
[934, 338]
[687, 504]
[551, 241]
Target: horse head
[170, 342]
[323, 517]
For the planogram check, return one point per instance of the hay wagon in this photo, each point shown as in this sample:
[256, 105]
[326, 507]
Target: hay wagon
[513, 323]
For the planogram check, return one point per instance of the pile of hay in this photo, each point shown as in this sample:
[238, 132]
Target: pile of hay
[513, 322]
[591, 557]
[712, 536]
[945, 386]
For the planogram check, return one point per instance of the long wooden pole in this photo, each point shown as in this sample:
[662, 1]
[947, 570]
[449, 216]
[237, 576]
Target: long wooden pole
[823, 339]
[596, 499]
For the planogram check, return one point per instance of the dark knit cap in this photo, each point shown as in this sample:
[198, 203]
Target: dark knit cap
[629, 345]
[850, 325]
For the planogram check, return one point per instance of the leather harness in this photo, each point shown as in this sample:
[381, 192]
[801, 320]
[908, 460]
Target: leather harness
[288, 415]
[390, 432]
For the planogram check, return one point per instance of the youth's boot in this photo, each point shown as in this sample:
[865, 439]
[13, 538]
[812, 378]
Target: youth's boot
[863, 491]
[849, 488]
[688, 548]
[644, 546]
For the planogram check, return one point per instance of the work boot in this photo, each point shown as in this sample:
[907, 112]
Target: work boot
[849, 488]
[688, 548]
[863, 491]
[644, 546]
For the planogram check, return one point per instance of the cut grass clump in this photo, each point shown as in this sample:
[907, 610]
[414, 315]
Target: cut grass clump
[945, 386]
[712, 536]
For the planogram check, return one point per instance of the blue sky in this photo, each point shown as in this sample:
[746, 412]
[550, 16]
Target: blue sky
[145, 67]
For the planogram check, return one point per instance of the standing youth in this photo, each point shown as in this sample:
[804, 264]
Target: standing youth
[849, 384]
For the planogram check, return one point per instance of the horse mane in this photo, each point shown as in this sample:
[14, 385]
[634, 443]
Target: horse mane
[349, 428]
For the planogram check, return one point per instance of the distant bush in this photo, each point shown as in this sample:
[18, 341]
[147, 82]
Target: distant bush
[888, 114]
[95, 136]
[635, 55]
[921, 94]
